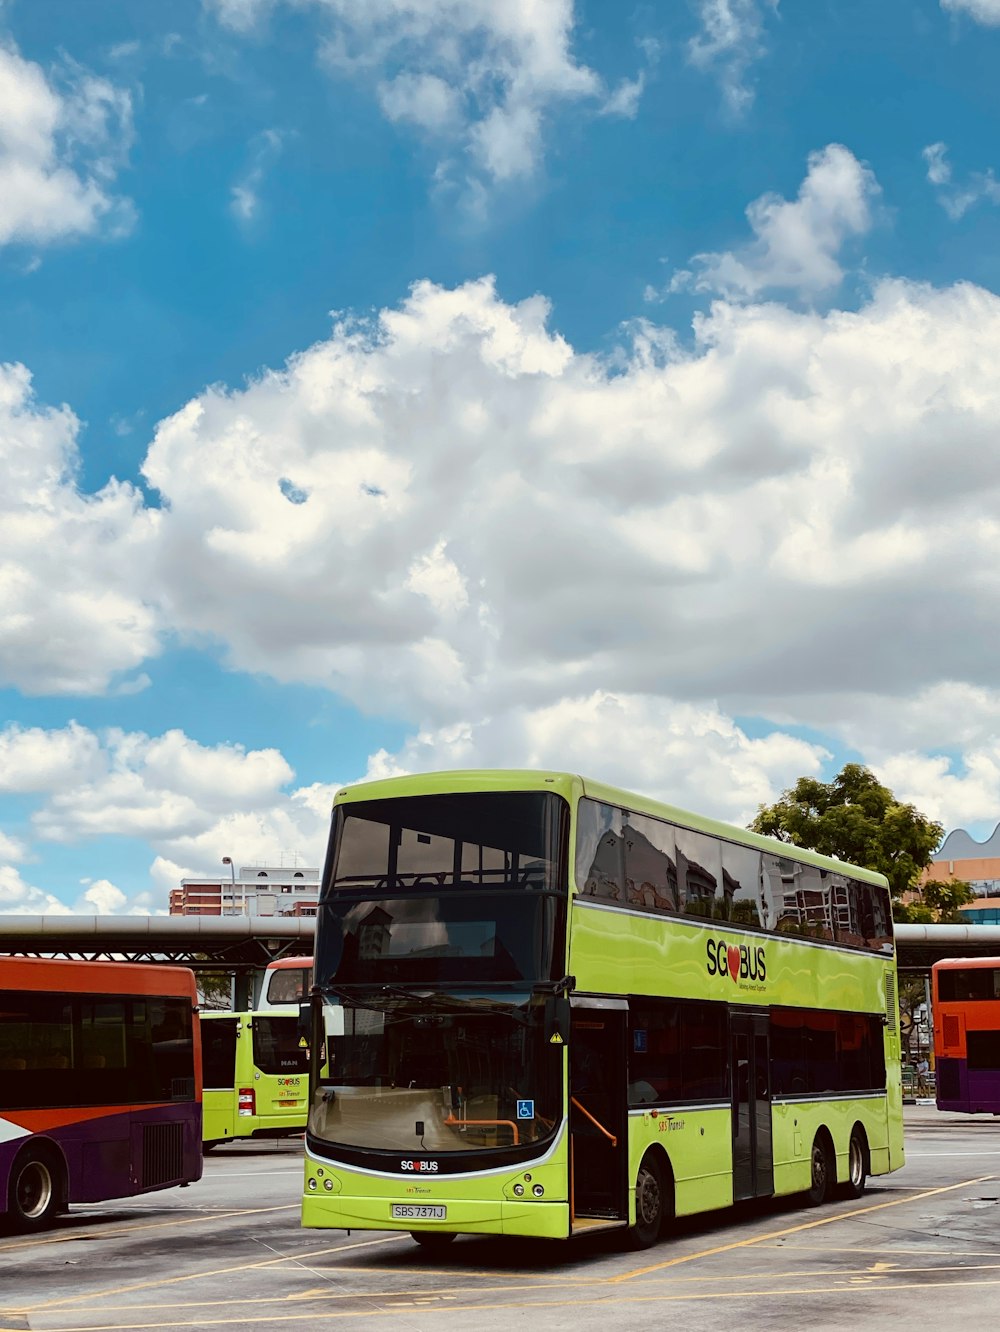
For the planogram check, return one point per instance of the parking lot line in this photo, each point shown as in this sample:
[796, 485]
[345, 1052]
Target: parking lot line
[64, 1236]
[794, 1230]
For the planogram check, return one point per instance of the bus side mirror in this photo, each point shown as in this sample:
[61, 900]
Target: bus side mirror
[557, 1021]
[304, 1024]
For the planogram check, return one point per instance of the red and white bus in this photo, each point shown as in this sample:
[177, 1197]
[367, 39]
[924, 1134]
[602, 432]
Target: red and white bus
[287, 984]
[100, 1084]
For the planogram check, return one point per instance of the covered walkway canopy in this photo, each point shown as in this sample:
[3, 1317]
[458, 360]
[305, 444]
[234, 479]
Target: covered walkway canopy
[243, 945]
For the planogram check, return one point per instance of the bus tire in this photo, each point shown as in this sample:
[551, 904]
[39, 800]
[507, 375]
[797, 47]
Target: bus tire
[37, 1189]
[652, 1203]
[857, 1164]
[434, 1241]
[822, 1170]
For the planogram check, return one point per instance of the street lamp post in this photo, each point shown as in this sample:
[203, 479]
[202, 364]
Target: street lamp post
[227, 860]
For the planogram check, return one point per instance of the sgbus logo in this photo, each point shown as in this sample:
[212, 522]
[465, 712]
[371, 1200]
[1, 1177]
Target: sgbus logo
[738, 962]
[421, 1167]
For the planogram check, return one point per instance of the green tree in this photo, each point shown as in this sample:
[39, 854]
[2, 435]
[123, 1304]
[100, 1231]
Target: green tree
[945, 899]
[855, 818]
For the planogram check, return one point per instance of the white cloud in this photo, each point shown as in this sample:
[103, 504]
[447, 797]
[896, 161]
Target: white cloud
[11, 848]
[244, 199]
[72, 566]
[476, 76]
[34, 759]
[688, 755]
[797, 243]
[955, 199]
[968, 796]
[18, 898]
[983, 11]
[703, 523]
[164, 788]
[190, 803]
[731, 39]
[62, 142]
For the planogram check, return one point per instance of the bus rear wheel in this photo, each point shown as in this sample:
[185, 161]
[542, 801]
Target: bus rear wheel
[434, 1241]
[35, 1192]
[857, 1166]
[822, 1172]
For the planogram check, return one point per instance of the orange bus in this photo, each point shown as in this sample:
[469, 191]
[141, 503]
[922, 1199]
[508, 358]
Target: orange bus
[100, 1084]
[966, 1004]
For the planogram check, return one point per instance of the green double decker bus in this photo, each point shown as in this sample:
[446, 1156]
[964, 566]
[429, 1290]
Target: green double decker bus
[543, 1006]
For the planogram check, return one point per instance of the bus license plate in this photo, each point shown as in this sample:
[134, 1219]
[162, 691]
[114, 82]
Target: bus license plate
[417, 1212]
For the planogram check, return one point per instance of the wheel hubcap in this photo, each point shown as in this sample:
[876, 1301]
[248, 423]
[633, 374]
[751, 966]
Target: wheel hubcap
[819, 1167]
[34, 1189]
[648, 1198]
[857, 1162]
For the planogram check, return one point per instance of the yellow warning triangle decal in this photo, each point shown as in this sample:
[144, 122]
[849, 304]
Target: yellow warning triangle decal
[555, 1039]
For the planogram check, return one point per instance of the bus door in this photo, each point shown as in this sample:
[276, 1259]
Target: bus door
[598, 1114]
[749, 1059]
[219, 1039]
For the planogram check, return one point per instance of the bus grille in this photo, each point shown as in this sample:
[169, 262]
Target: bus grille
[891, 1012]
[162, 1154]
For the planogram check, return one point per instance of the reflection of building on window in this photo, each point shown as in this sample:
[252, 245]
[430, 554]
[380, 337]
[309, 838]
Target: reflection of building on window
[374, 934]
[604, 874]
[650, 873]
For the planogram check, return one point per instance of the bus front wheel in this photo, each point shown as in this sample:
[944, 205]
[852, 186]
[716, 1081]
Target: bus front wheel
[650, 1204]
[823, 1172]
[36, 1189]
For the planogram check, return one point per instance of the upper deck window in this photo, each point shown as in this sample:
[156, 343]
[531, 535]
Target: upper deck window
[500, 839]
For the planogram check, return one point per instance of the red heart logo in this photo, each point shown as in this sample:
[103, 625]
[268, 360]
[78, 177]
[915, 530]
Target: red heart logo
[733, 959]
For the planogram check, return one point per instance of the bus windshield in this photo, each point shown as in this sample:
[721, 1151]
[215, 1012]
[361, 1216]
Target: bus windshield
[455, 1076]
[506, 839]
[465, 889]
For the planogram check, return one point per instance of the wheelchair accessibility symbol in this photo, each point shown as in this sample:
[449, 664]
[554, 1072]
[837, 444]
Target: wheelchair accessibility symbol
[525, 1109]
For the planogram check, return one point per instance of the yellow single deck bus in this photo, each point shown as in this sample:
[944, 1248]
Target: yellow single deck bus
[544, 1006]
[254, 1072]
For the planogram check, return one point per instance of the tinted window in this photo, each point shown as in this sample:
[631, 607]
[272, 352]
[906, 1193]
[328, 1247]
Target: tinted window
[978, 983]
[600, 870]
[642, 862]
[983, 1048]
[677, 1052]
[218, 1052]
[68, 1050]
[699, 872]
[816, 1053]
[742, 897]
[650, 864]
[289, 985]
[486, 840]
[276, 1046]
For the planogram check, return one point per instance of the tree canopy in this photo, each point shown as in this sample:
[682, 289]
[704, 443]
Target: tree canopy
[855, 818]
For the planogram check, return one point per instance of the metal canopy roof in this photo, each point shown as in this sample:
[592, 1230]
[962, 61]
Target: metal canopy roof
[204, 943]
[248, 943]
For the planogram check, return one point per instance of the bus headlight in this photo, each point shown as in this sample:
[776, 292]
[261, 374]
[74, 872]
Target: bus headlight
[311, 1184]
[537, 1190]
[328, 1185]
[518, 1190]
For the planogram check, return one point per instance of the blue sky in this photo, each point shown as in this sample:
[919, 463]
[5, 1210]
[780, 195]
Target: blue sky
[435, 383]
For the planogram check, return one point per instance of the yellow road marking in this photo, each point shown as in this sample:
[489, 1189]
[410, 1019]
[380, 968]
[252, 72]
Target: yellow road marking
[616, 1300]
[65, 1236]
[878, 1272]
[795, 1230]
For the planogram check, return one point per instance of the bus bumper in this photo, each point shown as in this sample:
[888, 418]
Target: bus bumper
[544, 1220]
